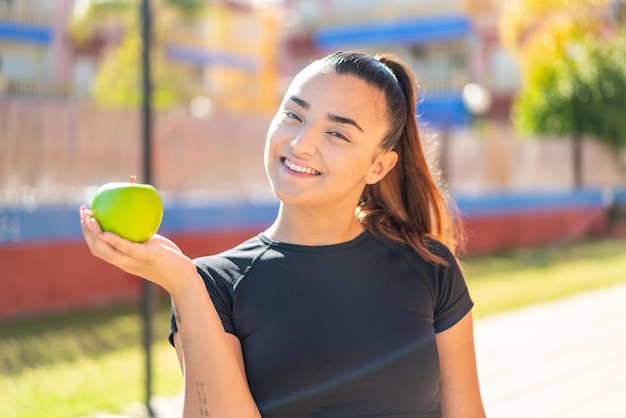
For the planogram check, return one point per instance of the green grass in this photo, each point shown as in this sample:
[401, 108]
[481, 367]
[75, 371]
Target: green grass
[507, 281]
[74, 364]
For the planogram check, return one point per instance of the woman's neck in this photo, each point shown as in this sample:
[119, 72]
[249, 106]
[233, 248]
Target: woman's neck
[304, 226]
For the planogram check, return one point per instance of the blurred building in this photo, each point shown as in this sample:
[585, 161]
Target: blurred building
[238, 52]
[448, 43]
[228, 54]
[231, 54]
[34, 53]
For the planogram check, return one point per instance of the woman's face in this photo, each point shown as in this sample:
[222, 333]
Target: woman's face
[322, 147]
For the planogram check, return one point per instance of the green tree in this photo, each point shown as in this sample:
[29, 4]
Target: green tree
[579, 94]
[573, 74]
[118, 82]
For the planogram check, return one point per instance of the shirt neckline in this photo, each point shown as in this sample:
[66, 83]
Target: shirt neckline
[314, 248]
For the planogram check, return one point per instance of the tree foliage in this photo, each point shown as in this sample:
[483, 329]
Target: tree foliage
[530, 26]
[189, 8]
[118, 81]
[88, 13]
[580, 94]
[573, 68]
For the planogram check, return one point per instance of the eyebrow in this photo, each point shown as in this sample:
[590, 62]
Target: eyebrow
[303, 104]
[341, 119]
[335, 118]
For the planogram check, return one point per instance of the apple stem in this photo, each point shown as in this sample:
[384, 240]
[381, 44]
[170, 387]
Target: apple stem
[133, 178]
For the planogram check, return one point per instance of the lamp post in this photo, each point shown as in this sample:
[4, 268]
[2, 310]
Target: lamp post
[147, 296]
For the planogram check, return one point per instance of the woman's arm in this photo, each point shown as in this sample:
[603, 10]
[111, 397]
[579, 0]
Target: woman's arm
[235, 345]
[215, 382]
[460, 393]
[212, 361]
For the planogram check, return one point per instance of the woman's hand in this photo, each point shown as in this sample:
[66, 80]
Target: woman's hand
[158, 259]
[219, 370]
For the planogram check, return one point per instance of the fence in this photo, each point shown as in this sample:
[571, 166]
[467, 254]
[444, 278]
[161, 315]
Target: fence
[54, 151]
[24, 14]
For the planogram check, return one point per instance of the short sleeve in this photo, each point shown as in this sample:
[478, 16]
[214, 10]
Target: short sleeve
[220, 292]
[453, 301]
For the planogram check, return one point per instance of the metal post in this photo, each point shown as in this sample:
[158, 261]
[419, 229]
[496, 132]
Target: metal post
[147, 297]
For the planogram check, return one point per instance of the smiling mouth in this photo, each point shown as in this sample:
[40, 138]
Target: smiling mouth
[294, 167]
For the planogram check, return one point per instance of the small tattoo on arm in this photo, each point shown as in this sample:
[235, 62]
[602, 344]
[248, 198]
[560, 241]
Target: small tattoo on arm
[202, 401]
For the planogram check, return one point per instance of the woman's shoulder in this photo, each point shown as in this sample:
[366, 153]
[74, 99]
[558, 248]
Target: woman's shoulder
[235, 260]
[439, 249]
[432, 244]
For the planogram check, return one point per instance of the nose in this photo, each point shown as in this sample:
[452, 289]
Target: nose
[305, 142]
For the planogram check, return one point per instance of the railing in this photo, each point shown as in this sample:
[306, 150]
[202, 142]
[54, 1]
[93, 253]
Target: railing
[430, 82]
[482, 8]
[385, 11]
[335, 16]
[54, 150]
[16, 87]
[29, 15]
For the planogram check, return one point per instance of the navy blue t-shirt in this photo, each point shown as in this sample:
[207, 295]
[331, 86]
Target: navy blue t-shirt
[345, 330]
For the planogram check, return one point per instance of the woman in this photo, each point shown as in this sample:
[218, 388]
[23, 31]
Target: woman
[351, 304]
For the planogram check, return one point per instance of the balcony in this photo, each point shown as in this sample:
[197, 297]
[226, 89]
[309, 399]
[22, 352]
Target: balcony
[406, 31]
[17, 87]
[25, 15]
[310, 16]
[483, 8]
[25, 25]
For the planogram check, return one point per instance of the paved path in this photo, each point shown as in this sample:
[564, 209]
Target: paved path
[564, 359]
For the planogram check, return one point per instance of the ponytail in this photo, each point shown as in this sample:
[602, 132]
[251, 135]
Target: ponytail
[406, 206]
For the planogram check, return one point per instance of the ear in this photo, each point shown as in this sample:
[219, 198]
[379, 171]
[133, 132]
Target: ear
[383, 163]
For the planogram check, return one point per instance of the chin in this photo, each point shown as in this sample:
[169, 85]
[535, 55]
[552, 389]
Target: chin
[288, 197]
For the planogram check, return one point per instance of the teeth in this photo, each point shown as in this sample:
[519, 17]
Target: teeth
[300, 169]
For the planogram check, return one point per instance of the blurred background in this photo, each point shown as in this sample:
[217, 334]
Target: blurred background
[522, 110]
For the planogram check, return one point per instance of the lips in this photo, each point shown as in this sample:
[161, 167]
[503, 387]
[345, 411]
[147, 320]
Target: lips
[298, 168]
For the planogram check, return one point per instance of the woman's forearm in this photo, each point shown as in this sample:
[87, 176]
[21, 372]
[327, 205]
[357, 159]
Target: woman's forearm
[215, 382]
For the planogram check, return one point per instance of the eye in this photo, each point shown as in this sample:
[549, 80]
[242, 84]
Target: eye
[338, 135]
[292, 115]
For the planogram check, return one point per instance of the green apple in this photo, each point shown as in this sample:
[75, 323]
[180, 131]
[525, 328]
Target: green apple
[131, 210]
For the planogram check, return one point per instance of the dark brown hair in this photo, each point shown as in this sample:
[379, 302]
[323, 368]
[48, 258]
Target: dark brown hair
[406, 205]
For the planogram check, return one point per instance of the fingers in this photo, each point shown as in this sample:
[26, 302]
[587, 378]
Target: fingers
[84, 214]
[89, 226]
[158, 260]
[100, 244]
[120, 245]
[131, 257]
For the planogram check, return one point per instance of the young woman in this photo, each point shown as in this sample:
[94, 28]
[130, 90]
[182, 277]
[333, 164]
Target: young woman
[351, 304]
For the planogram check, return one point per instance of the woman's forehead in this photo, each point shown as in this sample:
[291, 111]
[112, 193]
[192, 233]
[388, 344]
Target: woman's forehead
[329, 93]
[330, 87]
[318, 76]
[311, 71]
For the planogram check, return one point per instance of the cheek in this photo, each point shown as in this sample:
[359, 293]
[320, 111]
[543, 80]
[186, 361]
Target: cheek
[352, 165]
[271, 141]
[272, 132]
